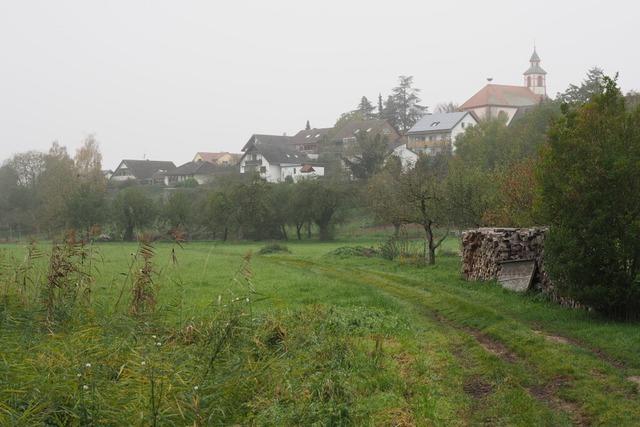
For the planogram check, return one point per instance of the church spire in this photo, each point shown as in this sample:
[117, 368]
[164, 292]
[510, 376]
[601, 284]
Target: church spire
[535, 78]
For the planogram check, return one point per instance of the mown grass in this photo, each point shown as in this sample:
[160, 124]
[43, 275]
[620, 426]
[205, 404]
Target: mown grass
[325, 339]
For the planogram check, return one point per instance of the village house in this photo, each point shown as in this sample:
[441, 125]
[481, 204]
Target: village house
[308, 141]
[509, 101]
[201, 171]
[141, 171]
[276, 159]
[222, 158]
[436, 133]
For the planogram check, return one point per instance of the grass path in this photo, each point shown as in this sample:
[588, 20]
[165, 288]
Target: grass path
[566, 380]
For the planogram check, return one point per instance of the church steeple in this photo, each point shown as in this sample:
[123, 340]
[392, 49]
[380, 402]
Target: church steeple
[535, 78]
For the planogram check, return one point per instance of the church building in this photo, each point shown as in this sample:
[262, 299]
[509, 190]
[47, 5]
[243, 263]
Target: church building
[496, 100]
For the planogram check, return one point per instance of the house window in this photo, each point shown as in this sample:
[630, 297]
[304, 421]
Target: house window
[539, 80]
[294, 171]
[463, 125]
[528, 81]
[263, 169]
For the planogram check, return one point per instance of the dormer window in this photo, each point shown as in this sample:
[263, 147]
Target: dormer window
[308, 136]
[355, 132]
[317, 135]
[434, 124]
[369, 130]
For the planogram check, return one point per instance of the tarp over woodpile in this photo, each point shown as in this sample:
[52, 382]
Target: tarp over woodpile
[486, 250]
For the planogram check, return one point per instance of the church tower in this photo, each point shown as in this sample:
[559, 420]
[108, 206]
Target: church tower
[535, 78]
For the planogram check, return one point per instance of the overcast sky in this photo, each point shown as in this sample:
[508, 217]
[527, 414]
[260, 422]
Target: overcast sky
[165, 79]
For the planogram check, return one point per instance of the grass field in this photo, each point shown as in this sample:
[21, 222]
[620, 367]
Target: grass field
[323, 340]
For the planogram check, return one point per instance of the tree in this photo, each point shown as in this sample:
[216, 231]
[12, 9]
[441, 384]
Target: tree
[88, 160]
[380, 107]
[85, 207]
[366, 108]
[589, 185]
[28, 166]
[219, 213]
[133, 209]
[178, 209]
[407, 103]
[301, 206]
[385, 198]
[423, 193]
[55, 186]
[447, 107]
[471, 193]
[592, 85]
[328, 198]
[390, 112]
[307, 126]
[367, 155]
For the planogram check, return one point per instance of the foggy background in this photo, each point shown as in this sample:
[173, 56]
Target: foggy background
[165, 79]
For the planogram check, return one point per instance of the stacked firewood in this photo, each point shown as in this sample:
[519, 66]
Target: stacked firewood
[484, 249]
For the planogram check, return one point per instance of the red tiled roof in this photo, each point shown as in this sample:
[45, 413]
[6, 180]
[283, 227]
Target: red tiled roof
[502, 95]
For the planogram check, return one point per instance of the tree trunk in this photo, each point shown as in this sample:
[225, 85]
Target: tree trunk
[128, 233]
[396, 229]
[283, 230]
[429, 247]
[309, 230]
[225, 234]
[298, 228]
[324, 232]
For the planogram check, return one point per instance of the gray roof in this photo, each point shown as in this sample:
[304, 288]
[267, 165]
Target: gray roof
[144, 169]
[310, 136]
[192, 168]
[276, 149]
[535, 68]
[372, 126]
[534, 56]
[439, 122]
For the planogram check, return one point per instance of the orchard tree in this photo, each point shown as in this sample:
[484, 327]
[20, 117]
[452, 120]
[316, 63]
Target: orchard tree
[589, 187]
[385, 198]
[133, 209]
[424, 194]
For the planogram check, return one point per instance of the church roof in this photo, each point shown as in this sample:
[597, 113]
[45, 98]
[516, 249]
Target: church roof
[502, 95]
[534, 56]
[535, 68]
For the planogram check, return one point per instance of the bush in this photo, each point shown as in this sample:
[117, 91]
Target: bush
[274, 248]
[353, 251]
[589, 186]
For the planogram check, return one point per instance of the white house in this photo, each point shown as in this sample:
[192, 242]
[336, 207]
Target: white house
[507, 100]
[275, 159]
[407, 156]
[436, 133]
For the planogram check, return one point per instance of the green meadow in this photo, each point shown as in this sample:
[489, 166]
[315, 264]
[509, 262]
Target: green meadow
[313, 336]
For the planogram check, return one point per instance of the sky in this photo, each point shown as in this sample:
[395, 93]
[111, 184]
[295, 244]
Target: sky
[163, 80]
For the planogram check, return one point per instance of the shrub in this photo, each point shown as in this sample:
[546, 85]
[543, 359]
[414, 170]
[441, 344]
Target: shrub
[352, 251]
[274, 248]
[589, 186]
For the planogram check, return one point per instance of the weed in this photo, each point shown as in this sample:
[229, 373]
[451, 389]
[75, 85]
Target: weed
[143, 300]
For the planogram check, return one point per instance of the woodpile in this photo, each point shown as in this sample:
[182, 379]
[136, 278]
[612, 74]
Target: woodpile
[485, 249]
